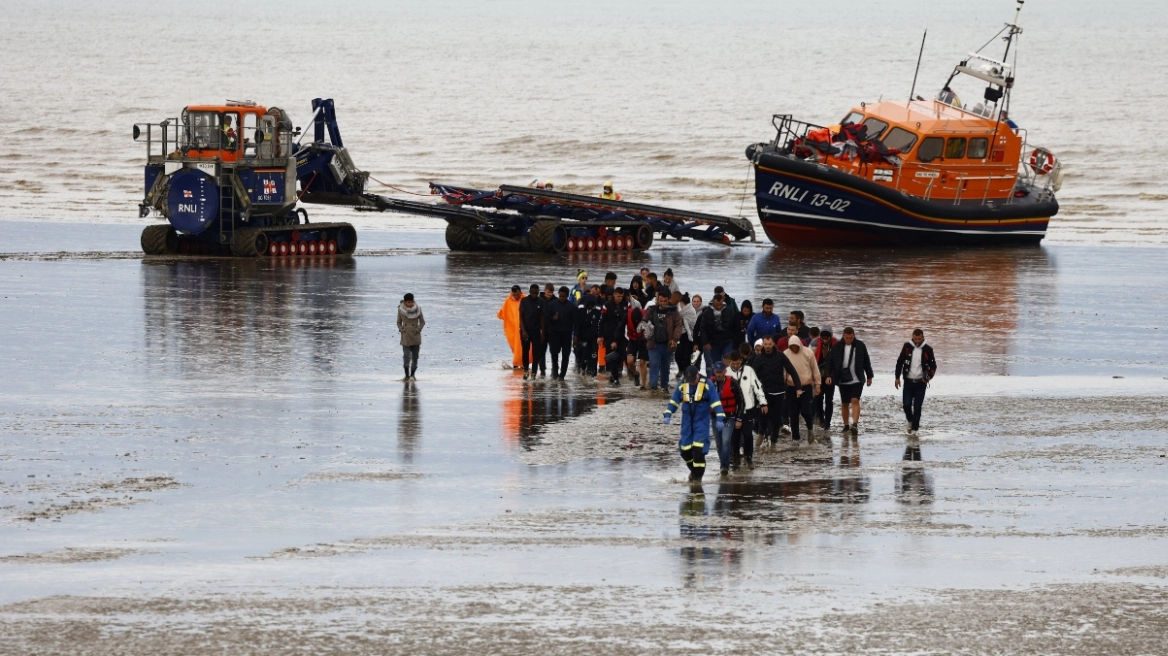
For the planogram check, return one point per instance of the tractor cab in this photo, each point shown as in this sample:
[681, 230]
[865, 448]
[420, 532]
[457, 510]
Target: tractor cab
[234, 132]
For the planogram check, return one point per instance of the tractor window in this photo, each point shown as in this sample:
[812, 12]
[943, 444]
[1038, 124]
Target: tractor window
[247, 135]
[978, 147]
[232, 134]
[955, 148]
[900, 139]
[875, 127]
[931, 148]
[202, 130]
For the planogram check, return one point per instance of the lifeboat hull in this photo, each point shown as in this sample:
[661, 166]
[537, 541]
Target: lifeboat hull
[803, 203]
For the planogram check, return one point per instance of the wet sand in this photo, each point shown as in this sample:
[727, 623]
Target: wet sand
[217, 456]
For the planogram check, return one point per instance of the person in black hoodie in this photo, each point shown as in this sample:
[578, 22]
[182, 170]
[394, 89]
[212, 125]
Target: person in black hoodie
[588, 333]
[918, 365]
[745, 314]
[769, 365]
[637, 290]
[559, 319]
[613, 330]
[719, 323]
[850, 366]
[531, 330]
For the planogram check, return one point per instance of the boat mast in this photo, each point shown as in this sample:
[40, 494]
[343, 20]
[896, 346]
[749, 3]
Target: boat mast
[920, 54]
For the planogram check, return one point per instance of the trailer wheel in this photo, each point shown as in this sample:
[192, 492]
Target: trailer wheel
[644, 237]
[159, 240]
[543, 236]
[459, 238]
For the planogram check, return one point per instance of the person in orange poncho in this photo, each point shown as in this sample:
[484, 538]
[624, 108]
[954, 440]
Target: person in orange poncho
[509, 313]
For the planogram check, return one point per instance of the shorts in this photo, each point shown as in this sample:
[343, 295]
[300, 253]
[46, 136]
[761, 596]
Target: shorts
[640, 348]
[849, 392]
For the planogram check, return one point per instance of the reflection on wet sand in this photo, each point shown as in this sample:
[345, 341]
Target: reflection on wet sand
[758, 512]
[529, 405]
[409, 423]
[968, 302]
[210, 317]
[914, 485]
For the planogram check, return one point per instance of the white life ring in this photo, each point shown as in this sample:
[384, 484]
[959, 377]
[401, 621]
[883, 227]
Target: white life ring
[1042, 161]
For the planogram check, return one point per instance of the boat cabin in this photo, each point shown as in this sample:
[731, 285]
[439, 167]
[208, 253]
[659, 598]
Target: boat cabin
[927, 149]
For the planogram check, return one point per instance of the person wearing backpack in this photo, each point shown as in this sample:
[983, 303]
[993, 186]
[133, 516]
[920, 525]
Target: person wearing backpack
[661, 337]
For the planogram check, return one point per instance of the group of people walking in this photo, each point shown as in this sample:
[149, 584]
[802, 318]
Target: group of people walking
[762, 379]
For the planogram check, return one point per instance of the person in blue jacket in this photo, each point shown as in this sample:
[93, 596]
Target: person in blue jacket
[697, 400]
[764, 323]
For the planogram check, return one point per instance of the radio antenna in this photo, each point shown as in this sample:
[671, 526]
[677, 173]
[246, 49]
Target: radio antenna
[912, 93]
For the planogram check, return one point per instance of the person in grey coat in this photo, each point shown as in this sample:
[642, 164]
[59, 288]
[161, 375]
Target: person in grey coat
[410, 323]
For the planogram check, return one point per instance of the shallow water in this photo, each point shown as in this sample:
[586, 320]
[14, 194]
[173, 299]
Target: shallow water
[177, 426]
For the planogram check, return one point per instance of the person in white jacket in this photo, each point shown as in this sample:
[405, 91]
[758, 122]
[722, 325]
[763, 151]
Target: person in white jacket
[754, 406]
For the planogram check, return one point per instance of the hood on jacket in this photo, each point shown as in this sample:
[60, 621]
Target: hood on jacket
[802, 349]
[408, 312]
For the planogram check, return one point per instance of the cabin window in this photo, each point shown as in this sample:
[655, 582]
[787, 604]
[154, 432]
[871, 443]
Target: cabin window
[900, 139]
[875, 127]
[202, 130]
[955, 148]
[978, 147]
[854, 117]
[931, 148]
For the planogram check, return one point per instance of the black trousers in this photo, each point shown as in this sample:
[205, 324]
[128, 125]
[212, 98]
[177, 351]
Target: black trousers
[586, 355]
[615, 361]
[683, 353]
[825, 404]
[799, 406]
[531, 351]
[542, 357]
[742, 442]
[560, 346]
[776, 403]
[914, 400]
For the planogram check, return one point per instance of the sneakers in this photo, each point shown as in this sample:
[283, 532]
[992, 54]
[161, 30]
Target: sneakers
[725, 473]
[749, 463]
[909, 430]
[526, 376]
[785, 430]
[855, 429]
[915, 433]
[846, 430]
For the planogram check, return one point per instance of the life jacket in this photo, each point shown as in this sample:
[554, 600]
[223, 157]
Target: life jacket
[820, 135]
[726, 393]
[631, 330]
[698, 392]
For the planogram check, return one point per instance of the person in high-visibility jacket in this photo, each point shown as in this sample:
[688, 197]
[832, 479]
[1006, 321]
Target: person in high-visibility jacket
[698, 400]
[608, 193]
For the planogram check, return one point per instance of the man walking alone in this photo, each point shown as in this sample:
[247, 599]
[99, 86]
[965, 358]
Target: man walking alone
[918, 365]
